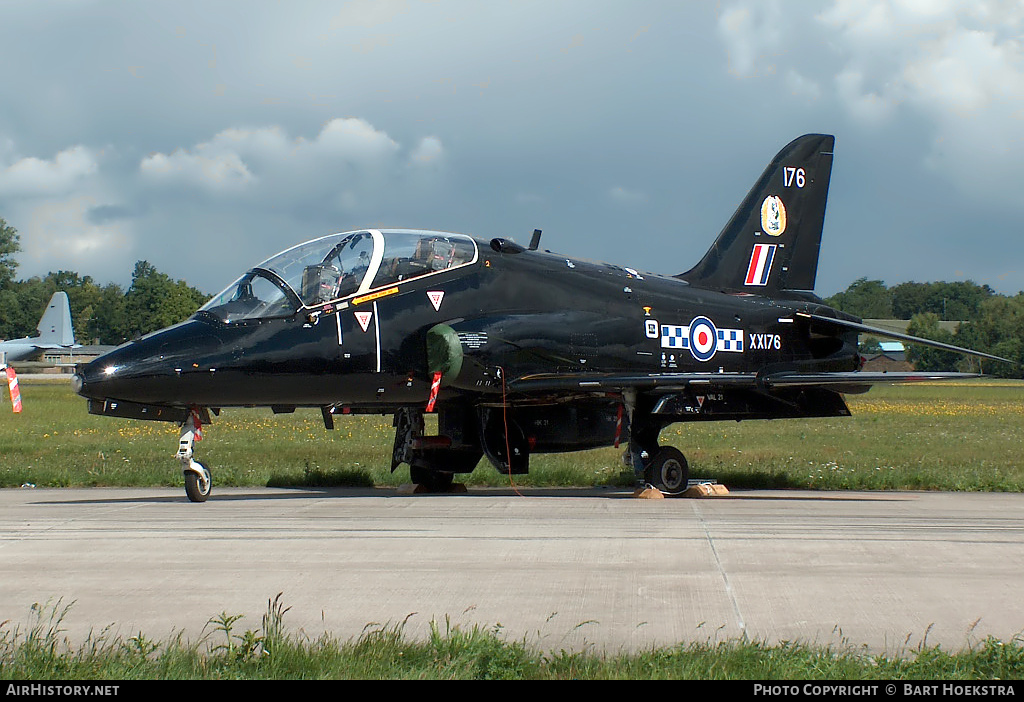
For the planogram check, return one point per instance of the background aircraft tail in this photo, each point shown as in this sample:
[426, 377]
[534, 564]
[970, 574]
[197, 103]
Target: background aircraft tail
[55, 325]
[771, 243]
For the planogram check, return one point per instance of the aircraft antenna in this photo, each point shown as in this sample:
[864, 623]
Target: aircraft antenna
[535, 241]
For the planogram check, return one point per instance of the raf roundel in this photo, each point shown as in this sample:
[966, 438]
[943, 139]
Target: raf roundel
[703, 338]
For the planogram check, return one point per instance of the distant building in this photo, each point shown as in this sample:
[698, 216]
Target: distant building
[64, 360]
[894, 350]
[893, 356]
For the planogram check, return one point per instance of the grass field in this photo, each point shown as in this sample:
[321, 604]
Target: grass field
[271, 652]
[962, 436]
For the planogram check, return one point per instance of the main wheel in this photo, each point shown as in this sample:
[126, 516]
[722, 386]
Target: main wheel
[197, 485]
[432, 480]
[668, 471]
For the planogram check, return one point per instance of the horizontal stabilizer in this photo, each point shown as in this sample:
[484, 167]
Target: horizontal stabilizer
[854, 378]
[896, 335]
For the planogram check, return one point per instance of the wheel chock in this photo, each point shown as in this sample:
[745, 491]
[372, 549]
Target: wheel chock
[648, 493]
[706, 490]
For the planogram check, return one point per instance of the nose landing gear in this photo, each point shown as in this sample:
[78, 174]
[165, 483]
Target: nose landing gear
[197, 476]
[433, 460]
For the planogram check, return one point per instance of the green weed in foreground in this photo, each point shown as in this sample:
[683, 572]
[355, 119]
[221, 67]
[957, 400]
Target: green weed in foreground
[449, 652]
[963, 436]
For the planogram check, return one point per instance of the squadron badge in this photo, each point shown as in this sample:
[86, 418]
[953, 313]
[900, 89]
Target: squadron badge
[773, 216]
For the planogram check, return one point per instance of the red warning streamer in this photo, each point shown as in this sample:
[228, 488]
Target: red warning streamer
[197, 423]
[12, 385]
[435, 385]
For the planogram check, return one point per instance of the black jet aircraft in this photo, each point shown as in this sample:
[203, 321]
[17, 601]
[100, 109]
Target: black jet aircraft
[517, 350]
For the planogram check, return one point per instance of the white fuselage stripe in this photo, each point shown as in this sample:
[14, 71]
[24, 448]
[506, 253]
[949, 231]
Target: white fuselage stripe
[376, 332]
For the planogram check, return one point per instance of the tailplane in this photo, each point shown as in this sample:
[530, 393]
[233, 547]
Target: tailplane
[55, 325]
[771, 243]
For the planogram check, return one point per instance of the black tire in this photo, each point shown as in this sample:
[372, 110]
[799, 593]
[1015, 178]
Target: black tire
[668, 471]
[432, 480]
[196, 488]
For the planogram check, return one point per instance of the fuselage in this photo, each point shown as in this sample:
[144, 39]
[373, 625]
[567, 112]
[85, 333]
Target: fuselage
[524, 312]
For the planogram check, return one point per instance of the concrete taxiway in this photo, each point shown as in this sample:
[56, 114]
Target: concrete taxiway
[558, 569]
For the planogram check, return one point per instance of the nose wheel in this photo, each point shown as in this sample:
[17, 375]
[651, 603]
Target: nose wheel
[197, 482]
[197, 476]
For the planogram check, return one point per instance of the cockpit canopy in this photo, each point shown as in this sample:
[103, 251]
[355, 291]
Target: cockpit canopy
[338, 266]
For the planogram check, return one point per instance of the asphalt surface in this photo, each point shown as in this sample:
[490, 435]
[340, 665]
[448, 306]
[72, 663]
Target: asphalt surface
[559, 569]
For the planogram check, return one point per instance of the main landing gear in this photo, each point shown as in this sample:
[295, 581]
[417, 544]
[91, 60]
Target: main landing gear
[661, 467]
[433, 460]
[667, 471]
[197, 476]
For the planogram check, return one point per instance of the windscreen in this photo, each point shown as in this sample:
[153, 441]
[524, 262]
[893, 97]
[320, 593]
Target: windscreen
[310, 273]
[252, 296]
[337, 266]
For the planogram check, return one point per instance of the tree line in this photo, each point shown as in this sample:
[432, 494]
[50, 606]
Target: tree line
[103, 314]
[989, 322]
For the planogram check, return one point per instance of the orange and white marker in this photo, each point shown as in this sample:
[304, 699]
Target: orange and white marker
[197, 432]
[435, 385]
[12, 385]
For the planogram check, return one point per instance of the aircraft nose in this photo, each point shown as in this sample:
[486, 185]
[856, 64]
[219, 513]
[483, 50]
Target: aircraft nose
[88, 381]
[78, 382]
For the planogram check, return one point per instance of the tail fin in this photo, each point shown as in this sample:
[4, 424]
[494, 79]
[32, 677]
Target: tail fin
[55, 324]
[772, 241]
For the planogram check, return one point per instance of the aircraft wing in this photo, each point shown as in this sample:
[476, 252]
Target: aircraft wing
[597, 382]
[669, 382]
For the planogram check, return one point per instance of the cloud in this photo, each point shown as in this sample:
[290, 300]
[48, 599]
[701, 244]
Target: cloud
[942, 57]
[327, 118]
[204, 166]
[964, 71]
[752, 33]
[33, 176]
[59, 235]
[952, 68]
[355, 141]
[802, 86]
[429, 150]
[238, 159]
[866, 107]
[73, 214]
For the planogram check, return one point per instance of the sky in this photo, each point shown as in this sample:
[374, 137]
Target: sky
[205, 137]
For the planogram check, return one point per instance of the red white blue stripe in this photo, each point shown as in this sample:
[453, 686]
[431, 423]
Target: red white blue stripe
[760, 264]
